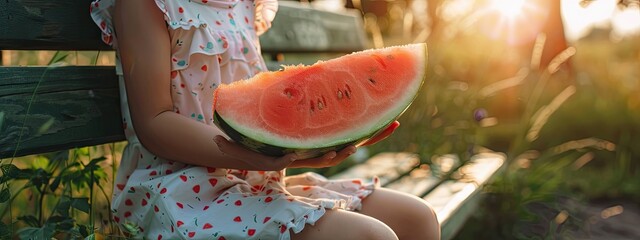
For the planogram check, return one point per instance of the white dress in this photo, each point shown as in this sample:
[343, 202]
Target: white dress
[213, 42]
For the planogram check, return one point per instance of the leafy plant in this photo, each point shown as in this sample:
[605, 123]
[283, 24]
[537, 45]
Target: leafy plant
[54, 195]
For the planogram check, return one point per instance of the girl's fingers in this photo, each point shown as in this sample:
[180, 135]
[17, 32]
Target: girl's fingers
[384, 134]
[327, 160]
[313, 162]
[262, 162]
[346, 152]
[259, 161]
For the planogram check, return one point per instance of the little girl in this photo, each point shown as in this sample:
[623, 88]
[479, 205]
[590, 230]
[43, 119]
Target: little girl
[180, 178]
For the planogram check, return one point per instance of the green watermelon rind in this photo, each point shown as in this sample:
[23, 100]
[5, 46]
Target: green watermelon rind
[254, 140]
[273, 150]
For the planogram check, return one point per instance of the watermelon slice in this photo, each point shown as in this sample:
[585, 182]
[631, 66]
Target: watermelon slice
[327, 106]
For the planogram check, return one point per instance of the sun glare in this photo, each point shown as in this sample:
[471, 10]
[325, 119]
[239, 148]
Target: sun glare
[508, 8]
[516, 21]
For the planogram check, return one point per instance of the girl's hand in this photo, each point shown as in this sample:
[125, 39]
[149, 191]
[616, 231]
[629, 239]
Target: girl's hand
[257, 161]
[382, 135]
[331, 159]
[253, 160]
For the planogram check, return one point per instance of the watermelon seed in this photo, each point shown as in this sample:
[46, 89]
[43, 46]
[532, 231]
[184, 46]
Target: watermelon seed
[313, 108]
[346, 93]
[372, 81]
[339, 94]
[291, 92]
[320, 105]
[381, 61]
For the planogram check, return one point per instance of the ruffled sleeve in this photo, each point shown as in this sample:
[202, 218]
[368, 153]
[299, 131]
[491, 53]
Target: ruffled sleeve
[265, 12]
[101, 14]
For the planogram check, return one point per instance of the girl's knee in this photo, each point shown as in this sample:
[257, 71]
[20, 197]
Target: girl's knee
[347, 225]
[429, 214]
[425, 216]
[374, 229]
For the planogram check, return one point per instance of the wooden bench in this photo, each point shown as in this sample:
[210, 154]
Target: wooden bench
[79, 105]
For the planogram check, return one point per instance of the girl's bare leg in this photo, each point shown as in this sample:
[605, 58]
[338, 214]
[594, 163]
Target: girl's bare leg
[409, 216]
[340, 224]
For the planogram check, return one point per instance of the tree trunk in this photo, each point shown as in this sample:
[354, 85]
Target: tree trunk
[553, 28]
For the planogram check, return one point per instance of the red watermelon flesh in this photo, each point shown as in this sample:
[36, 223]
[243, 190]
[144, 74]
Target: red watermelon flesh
[331, 103]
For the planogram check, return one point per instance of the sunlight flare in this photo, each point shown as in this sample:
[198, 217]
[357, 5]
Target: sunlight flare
[508, 8]
[515, 21]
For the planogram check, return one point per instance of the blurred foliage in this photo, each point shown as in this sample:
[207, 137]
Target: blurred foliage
[61, 194]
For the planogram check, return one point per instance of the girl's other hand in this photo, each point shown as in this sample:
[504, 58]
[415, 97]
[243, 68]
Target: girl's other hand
[329, 159]
[382, 135]
[257, 161]
[253, 160]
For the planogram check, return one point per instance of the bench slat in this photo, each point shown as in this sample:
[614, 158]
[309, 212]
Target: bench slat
[424, 179]
[455, 200]
[416, 183]
[299, 28]
[48, 25]
[80, 106]
[386, 166]
[67, 25]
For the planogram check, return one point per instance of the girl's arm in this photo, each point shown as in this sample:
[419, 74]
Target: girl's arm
[145, 49]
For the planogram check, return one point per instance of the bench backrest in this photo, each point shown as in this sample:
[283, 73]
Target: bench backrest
[45, 109]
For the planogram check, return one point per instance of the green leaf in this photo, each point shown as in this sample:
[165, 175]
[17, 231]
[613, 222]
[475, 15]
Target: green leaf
[40, 177]
[63, 206]
[29, 220]
[40, 162]
[81, 204]
[56, 182]
[95, 161]
[131, 228]
[5, 231]
[14, 172]
[84, 230]
[91, 237]
[45, 232]
[58, 57]
[83, 151]
[61, 223]
[5, 195]
[28, 233]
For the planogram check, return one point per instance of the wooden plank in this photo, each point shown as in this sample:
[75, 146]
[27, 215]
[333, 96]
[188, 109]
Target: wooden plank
[48, 25]
[424, 179]
[67, 25]
[386, 166]
[417, 182]
[300, 28]
[72, 107]
[455, 200]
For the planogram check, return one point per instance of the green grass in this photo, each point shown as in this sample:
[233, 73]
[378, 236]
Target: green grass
[572, 135]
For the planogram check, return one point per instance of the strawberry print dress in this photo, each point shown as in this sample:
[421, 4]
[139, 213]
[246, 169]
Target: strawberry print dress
[213, 42]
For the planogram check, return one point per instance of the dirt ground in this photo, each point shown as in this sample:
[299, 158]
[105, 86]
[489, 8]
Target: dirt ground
[579, 220]
[612, 219]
